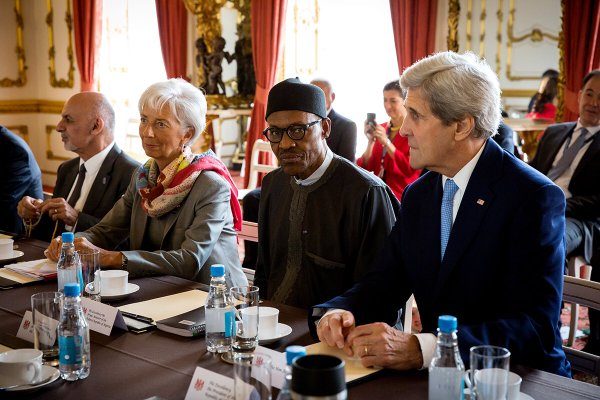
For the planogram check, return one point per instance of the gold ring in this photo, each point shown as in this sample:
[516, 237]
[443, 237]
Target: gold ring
[366, 350]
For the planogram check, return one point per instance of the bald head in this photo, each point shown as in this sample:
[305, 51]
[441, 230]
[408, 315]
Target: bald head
[87, 124]
[326, 87]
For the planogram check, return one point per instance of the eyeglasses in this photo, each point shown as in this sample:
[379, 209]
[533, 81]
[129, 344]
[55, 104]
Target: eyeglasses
[294, 132]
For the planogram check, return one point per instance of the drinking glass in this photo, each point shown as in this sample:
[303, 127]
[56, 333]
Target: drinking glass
[245, 300]
[488, 377]
[90, 267]
[251, 376]
[45, 308]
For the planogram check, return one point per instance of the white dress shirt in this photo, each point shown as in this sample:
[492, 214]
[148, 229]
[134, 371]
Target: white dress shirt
[564, 180]
[427, 341]
[92, 167]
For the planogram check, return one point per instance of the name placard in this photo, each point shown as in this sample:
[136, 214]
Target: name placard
[206, 384]
[101, 317]
[26, 328]
[278, 364]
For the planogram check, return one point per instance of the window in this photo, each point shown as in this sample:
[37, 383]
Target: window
[130, 61]
[350, 43]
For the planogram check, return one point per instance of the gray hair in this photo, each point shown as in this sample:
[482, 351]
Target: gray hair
[458, 85]
[185, 101]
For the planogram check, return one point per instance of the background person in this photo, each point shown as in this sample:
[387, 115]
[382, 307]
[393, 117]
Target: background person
[89, 185]
[180, 209]
[21, 177]
[386, 154]
[543, 105]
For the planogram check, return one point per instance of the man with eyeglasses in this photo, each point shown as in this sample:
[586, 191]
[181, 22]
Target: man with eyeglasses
[321, 219]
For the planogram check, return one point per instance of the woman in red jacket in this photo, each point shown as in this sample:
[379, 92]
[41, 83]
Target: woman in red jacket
[387, 152]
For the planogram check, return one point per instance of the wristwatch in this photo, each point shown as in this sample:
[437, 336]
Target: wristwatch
[124, 262]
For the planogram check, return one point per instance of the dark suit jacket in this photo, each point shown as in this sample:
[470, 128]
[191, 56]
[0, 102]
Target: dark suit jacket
[584, 205]
[108, 187]
[21, 176]
[502, 274]
[342, 140]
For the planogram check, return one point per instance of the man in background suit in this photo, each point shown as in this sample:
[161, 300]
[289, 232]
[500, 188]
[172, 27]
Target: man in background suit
[480, 236]
[341, 140]
[88, 186]
[21, 177]
[569, 154]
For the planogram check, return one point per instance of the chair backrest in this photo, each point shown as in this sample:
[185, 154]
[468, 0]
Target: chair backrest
[585, 293]
[255, 165]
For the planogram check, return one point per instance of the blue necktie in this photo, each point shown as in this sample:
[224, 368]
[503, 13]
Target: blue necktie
[450, 189]
[570, 152]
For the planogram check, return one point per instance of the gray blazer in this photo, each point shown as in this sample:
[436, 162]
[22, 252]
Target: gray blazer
[197, 234]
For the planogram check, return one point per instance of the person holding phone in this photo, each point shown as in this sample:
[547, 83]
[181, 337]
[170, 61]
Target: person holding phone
[387, 152]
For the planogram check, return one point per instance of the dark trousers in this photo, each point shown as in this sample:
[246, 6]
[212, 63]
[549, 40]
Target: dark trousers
[250, 206]
[574, 238]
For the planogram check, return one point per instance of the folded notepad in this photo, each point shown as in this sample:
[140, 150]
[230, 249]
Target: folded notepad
[43, 268]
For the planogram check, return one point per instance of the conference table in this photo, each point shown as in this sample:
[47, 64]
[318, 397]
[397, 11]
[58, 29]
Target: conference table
[161, 365]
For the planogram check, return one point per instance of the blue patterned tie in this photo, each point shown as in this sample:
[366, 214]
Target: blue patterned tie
[450, 189]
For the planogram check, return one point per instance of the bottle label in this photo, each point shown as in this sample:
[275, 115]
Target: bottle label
[219, 320]
[446, 383]
[70, 349]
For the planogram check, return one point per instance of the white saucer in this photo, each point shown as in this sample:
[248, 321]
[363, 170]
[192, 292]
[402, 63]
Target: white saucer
[111, 296]
[15, 254]
[282, 331]
[48, 372]
[525, 396]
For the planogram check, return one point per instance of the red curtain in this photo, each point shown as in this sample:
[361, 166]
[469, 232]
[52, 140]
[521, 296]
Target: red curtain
[87, 19]
[268, 20]
[172, 28]
[414, 24]
[581, 29]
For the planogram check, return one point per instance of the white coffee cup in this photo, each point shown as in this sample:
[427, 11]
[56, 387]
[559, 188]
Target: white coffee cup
[114, 282]
[267, 320]
[20, 367]
[491, 383]
[6, 248]
[514, 386]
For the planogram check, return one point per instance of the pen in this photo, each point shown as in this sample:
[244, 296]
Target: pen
[138, 317]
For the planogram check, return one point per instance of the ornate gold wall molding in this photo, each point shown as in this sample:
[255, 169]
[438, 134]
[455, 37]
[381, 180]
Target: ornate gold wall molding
[21, 130]
[482, 17]
[20, 50]
[518, 92]
[469, 23]
[500, 16]
[453, 15]
[50, 129]
[55, 82]
[31, 106]
[562, 83]
[536, 35]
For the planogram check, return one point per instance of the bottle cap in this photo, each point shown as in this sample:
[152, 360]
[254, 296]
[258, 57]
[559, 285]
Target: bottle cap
[293, 352]
[217, 270]
[447, 323]
[68, 237]
[72, 289]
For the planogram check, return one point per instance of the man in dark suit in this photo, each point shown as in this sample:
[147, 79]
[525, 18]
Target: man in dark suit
[479, 237]
[88, 186]
[21, 177]
[569, 154]
[342, 140]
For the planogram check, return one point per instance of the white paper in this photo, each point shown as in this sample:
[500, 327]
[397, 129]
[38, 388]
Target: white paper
[278, 365]
[35, 268]
[206, 384]
[26, 328]
[101, 317]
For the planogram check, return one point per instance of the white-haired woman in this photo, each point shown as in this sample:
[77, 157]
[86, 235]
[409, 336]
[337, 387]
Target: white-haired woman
[180, 210]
